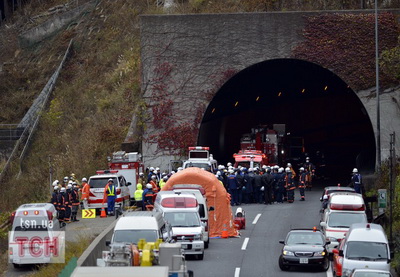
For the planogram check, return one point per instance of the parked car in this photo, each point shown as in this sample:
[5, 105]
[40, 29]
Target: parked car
[364, 272]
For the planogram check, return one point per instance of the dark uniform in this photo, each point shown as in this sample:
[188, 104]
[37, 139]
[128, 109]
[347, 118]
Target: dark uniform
[75, 203]
[290, 187]
[268, 180]
[61, 207]
[302, 184]
[258, 193]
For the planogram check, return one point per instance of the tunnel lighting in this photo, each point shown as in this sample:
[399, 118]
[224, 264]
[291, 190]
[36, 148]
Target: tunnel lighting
[213, 110]
[326, 87]
[283, 152]
[258, 97]
[279, 94]
[303, 90]
[237, 102]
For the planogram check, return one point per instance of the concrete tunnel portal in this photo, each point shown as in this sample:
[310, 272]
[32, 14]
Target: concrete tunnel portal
[313, 103]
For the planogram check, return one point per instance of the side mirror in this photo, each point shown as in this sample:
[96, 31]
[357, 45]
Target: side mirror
[211, 209]
[128, 184]
[320, 199]
[335, 251]
[328, 242]
[322, 224]
[282, 242]
[341, 253]
[108, 243]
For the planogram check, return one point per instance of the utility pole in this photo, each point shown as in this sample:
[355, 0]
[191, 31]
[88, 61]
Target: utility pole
[391, 185]
[378, 115]
[51, 175]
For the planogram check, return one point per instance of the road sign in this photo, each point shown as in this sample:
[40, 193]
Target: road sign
[382, 198]
[89, 213]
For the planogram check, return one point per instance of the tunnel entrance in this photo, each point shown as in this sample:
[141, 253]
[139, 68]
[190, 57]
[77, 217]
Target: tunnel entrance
[313, 103]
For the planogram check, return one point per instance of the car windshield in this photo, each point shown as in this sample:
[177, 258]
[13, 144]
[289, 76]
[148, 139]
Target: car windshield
[305, 238]
[366, 251]
[371, 274]
[133, 236]
[182, 219]
[344, 220]
[199, 165]
[100, 182]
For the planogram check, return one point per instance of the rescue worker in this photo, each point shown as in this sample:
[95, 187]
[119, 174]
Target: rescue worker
[302, 183]
[310, 168]
[75, 201]
[151, 173]
[291, 170]
[267, 181]
[233, 187]
[240, 182]
[72, 177]
[68, 203]
[157, 172]
[141, 178]
[279, 185]
[85, 193]
[65, 182]
[148, 194]
[61, 206]
[139, 196]
[110, 195]
[154, 182]
[284, 192]
[163, 181]
[258, 194]
[356, 181]
[249, 180]
[54, 196]
[289, 185]
[219, 177]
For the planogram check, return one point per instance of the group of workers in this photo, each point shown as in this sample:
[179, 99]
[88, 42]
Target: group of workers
[266, 185]
[66, 198]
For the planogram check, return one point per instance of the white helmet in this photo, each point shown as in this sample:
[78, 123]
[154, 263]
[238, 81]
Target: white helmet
[264, 166]
[281, 169]
[251, 169]
[157, 169]
[223, 167]
[55, 183]
[151, 169]
[84, 179]
[149, 186]
[165, 178]
[66, 178]
[276, 166]
[231, 171]
[230, 167]
[325, 197]
[55, 187]
[355, 170]
[62, 189]
[301, 169]
[74, 183]
[289, 165]
[287, 169]
[141, 174]
[307, 159]
[180, 168]
[153, 177]
[218, 173]
[220, 167]
[229, 164]
[69, 186]
[173, 172]
[69, 182]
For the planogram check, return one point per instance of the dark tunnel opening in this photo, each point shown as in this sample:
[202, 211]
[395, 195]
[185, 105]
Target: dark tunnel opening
[313, 103]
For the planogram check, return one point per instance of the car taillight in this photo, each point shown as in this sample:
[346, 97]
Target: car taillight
[49, 215]
[12, 216]
[10, 251]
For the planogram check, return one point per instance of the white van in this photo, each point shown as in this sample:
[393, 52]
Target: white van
[199, 192]
[365, 246]
[200, 157]
[133, 226]
[343, 210]
[97, 184]
[36, 236]
[181, 212]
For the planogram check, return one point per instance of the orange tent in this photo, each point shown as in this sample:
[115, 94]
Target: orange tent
[221, 219]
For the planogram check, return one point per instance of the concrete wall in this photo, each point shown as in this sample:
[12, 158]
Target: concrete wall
[200, 47]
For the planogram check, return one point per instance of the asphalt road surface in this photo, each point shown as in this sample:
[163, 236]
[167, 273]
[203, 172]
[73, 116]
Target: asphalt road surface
[256, 251]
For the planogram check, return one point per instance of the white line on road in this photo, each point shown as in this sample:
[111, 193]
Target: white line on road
[329, 272]
[256, 219]
[246, 241]
[237, 272]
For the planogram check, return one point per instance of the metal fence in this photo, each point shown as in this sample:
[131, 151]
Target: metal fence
[28, 125]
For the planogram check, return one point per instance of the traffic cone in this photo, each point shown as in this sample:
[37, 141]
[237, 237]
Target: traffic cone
[224, 234]
[103, 212]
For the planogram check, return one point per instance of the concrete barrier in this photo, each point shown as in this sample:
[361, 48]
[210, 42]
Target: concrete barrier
[95, 249]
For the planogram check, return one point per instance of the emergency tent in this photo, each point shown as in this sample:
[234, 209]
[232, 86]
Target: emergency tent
[219, 220]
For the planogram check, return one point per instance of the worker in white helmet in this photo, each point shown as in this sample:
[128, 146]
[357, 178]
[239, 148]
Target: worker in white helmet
[356, 181]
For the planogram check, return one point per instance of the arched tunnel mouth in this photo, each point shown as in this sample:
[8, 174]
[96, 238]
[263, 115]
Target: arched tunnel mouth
[322, 117]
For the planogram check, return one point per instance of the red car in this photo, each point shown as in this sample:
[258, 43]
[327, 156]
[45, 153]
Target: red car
[337, 260]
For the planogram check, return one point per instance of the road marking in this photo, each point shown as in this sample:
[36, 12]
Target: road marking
[329, 272]
[256, 219]
[237, 272]
[246, 241]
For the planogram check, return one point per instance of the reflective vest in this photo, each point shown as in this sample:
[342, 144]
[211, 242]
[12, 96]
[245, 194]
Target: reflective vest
[111, 192]
[85, 191]
[139, 195]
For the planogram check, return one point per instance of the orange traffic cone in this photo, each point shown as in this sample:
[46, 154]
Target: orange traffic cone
[224, 234]
[103, 212]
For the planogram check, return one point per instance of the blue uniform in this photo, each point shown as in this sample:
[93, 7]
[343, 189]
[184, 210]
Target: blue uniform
[356, 179]
[233, 188]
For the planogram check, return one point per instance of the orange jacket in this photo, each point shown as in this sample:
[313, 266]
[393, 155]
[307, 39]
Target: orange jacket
[85, 191]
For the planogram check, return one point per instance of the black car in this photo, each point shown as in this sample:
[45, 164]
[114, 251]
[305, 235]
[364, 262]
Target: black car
[304, 247]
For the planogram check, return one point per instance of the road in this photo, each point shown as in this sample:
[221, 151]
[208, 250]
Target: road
[233, 258]
[84, 228]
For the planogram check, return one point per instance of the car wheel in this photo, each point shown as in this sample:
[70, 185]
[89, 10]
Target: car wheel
[17, 265]
[282, 266]
[325, 267]
[200, 257]
[206, 243]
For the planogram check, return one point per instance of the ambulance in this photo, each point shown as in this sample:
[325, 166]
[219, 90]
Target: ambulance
[36, 236]
[200, 157]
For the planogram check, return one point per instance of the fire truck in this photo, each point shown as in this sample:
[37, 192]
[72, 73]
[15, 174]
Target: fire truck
[263, 146]
[128, 165]
[199, 156]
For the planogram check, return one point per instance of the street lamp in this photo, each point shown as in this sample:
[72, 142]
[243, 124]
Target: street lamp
[378, 116]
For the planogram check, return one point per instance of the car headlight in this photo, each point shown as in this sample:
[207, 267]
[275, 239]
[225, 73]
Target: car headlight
[319, 254]
[197, 237]
[346, 272]
[288, 253]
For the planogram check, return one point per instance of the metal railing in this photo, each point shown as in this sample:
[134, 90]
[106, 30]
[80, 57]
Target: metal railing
[10, 132]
